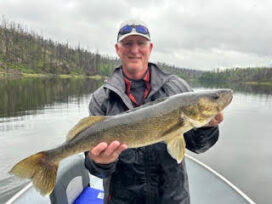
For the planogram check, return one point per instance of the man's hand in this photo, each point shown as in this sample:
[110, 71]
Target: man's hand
[105, 154]
[216, 120]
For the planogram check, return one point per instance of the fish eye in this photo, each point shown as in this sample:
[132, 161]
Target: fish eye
[215, 96]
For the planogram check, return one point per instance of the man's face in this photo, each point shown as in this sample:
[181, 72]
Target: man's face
[134, 52]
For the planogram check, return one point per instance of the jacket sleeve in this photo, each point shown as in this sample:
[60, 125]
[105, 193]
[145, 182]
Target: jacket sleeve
[96, 107]
[99, 170]
[201, 139]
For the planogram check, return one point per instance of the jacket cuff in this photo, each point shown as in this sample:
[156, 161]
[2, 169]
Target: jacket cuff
[201, 139]
[99, 170]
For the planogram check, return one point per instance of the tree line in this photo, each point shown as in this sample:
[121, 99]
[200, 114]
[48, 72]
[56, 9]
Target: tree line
[188, 74]
[28, 52]
[238, 75]
[31, 53]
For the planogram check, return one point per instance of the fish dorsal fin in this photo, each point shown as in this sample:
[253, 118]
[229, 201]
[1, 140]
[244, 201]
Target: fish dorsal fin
[82, 125]
[176, 147]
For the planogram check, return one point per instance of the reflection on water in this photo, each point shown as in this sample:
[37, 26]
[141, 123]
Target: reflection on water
[243, 152]
[27, 95]
[36, 114]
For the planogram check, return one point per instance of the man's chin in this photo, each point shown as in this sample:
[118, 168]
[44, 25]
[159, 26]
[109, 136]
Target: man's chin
[133, 62]
[135, 66]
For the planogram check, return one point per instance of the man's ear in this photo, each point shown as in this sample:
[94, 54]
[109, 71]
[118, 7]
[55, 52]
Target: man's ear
[151, 46]
[117, 49]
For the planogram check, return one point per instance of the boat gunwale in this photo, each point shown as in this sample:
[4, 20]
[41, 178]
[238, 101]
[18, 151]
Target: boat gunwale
[19, 193]
[229, 183]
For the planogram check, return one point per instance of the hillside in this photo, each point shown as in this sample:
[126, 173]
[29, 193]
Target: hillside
[26, 52]
[22, 51]
[237, 75]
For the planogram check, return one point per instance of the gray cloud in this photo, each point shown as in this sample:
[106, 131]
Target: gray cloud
[194, 34]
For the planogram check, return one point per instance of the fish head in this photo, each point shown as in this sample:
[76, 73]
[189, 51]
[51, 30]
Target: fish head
[204, 105]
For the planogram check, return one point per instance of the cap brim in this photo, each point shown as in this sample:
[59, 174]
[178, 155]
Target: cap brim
[122, 37]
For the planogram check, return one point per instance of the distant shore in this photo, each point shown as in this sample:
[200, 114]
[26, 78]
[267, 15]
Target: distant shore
[11, 74]
[15, 73]
[264, 83]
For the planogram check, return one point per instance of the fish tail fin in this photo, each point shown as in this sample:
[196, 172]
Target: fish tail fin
[39, 169]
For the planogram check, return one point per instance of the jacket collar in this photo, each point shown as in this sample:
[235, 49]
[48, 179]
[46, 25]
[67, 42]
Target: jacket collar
[116, 82]
[158, 78]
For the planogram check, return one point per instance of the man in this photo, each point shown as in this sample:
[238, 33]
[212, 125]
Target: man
[147, 174]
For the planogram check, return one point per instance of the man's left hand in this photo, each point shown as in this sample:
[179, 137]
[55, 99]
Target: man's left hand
[216, 120]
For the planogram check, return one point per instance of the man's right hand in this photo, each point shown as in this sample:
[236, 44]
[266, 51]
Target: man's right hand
[105, 154]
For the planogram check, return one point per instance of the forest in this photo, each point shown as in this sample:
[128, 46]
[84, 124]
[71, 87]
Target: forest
[237, 75]
[27, 52]
[23, 51]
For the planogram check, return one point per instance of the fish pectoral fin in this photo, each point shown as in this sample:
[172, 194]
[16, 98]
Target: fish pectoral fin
[176, 147]
[83, 124]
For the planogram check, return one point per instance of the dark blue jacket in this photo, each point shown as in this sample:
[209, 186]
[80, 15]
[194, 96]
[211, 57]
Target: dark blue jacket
[147, 174]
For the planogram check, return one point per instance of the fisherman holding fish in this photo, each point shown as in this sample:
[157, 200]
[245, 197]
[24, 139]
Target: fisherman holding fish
[145, 174]
[141, 120]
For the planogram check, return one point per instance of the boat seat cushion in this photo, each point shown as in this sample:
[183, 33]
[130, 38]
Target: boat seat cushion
[90, 195]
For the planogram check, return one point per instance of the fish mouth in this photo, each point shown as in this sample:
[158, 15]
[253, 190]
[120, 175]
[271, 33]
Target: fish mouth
[227, 96]
[223, 97]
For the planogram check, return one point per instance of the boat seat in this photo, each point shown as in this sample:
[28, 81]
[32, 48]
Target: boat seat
[72, 178]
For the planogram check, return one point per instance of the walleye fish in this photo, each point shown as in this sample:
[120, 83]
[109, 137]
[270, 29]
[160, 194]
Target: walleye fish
[163, 120]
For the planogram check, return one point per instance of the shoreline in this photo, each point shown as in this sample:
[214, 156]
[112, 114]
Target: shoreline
[263, 83]
[16, 74]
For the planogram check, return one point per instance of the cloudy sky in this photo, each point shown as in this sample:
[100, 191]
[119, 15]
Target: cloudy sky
[194, 34]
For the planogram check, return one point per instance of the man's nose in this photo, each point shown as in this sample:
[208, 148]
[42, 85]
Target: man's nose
[134, 47]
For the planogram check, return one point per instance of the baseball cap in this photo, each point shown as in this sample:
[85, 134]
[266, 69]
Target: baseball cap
[133, 27]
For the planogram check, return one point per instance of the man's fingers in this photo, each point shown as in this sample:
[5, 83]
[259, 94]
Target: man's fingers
[216, 120]
[98, 149]
[219, 117]
[111, 148]
[118, 151]
[121, 148]
[104, 153]
[213, 122]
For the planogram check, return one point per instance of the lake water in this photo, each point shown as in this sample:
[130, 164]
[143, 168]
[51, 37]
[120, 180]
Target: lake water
[36, 114]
